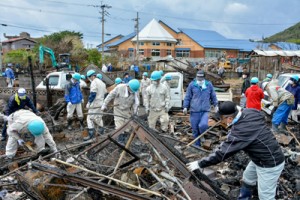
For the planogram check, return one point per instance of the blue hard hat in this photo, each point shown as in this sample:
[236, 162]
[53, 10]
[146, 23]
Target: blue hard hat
[269, 75]
[36, 127]
[90, 73]
[83, 77]
[295, 77]
[118, 80]
[156, 75]
[134, 85]
[99, 76]
[145, 74]
[168, 77]
[161, 72]
[76, 76]
[254, 80]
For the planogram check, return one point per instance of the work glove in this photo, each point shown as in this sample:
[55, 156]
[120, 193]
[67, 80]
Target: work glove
[69, 104]
[243, 94]
[184, 111]
[298, 106]
[82, 101]
[192, 166]
[21, 142]
[103, 107]
[216, 108]
[88, 105]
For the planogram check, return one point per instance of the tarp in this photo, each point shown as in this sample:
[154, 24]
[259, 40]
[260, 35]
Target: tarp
[277, 53]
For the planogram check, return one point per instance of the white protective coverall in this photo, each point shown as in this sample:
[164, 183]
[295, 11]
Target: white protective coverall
[100, 88]
[125, 103]
[17, 125]
[144, 84]
[82, 84]
[157, 101]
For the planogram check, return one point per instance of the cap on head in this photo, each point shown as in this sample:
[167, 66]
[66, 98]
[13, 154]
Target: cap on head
[156, 75]
[99, 76]
[161, 72]
[269, 75]
[201, 73]
[82, 77]
[36, 127]
[254, 80]
[145, 74]
[76, 76]
[227, 108]
[118, 80]
[134, 85]
[22, 93]
[168, 77]
[295, 77]
[90, 73]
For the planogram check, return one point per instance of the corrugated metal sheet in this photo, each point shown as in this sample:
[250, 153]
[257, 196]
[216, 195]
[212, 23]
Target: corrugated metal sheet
[277, 53]
[123, 39]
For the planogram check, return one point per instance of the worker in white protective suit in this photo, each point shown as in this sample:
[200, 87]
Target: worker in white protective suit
[145, 82]
[126, 101]
[95, 101]
[82, 83]
[24, 121]
[166, 82]
[157, 102]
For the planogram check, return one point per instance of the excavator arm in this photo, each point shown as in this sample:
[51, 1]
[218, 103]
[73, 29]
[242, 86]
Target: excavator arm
[42, 50]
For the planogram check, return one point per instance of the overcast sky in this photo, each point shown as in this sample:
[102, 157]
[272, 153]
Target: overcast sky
[237, 19]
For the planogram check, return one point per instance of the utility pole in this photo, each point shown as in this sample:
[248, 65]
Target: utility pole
[104, 13]
[137, 51]
[0, 56]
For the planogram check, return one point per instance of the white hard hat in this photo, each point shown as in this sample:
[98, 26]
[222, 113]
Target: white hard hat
[21, 91]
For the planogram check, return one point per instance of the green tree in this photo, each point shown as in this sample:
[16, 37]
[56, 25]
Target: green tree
[94, 57]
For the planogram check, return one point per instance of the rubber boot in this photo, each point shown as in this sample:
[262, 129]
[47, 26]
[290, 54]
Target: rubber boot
[70, 124]
[91, 132]
[4, 135]
[283, 128]
[275, 128]
[81, 124]
[101, 130]
[245, 192]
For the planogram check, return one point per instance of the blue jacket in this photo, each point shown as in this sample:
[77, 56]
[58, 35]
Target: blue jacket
[9, 73]
[15, 103]
[73, 93]
[296, 92]
[126, 80]
[198, 99]
[136, 68]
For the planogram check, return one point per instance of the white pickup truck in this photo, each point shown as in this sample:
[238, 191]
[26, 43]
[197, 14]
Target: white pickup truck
[177, 92]
[283, 80]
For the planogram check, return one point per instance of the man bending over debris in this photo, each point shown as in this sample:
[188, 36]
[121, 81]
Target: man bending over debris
[24, 121]
[157, 102]
[199, 96]
[126, 101]
[95, 101]
[249, 133]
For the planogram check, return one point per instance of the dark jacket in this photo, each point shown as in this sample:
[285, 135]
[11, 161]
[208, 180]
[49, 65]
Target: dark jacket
[246, 85]
[295, 90]
[15, 103]
[250, 134]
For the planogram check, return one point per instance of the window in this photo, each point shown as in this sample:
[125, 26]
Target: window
[174, 82]
[131, 53]
[169, 44]
[213, 54]
[53, 80]
[183, 53]
[141, 43]
[179, 42]
[141, 51]
[155, 52]
[155, 43]
[169, 52]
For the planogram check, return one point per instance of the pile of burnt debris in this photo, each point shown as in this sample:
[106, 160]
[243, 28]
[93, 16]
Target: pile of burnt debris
[136, 162]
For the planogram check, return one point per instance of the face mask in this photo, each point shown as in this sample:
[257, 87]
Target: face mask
[244, 76]
[200, 83]
[155, 83]
[291, 82]
[200, 78]
[22, 97]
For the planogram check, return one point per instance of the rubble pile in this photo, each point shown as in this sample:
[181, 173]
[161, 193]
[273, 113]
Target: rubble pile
[135, 162]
